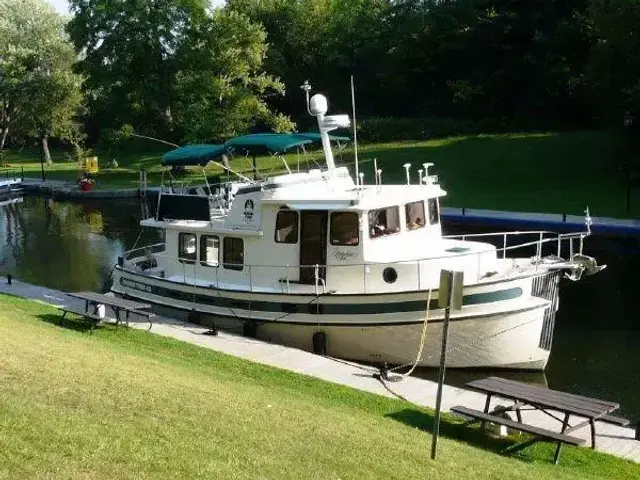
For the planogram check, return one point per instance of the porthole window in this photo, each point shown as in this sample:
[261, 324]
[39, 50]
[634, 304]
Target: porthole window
[389, 275]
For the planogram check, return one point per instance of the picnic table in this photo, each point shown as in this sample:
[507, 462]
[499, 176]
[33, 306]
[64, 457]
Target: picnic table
[556, 404]
[118, 305]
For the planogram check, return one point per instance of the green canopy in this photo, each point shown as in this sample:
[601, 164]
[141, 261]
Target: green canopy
[261, 143]
[193, 155]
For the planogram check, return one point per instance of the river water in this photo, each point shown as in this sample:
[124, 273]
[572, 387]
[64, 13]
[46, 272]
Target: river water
[73, 246]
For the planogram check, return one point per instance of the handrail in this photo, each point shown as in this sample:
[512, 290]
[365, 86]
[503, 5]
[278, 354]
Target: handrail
[258, 280]
[411, 260]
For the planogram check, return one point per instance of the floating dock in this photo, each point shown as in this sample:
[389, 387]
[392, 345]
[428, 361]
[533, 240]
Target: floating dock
[612, 439]
[541, 221]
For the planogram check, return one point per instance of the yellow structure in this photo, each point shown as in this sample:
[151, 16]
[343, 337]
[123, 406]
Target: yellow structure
[91, 164]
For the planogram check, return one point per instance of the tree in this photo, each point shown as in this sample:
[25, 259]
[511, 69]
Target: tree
[614, 64]
[220, 83]
[173, 69]
[40, 95]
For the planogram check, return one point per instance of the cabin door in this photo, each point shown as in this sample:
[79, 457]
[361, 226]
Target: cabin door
[313, 244]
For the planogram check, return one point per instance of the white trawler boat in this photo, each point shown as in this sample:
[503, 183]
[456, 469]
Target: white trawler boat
[316, 260]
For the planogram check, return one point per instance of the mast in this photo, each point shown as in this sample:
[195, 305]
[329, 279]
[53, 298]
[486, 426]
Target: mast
[317, 107]
[355, 135]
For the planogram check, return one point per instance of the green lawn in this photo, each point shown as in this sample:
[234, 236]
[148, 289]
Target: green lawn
[554, 172]
[128, 404]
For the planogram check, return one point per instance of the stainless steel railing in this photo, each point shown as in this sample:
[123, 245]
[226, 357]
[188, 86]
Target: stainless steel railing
[263, 277]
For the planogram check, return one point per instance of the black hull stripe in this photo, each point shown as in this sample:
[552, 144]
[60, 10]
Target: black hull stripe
[325, 323]
[312, 307]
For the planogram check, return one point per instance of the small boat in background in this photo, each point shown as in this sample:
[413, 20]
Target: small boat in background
[10, 186]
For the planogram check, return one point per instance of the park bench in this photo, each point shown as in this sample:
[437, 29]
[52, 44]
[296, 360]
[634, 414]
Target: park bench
[118, 305]
[92, 318]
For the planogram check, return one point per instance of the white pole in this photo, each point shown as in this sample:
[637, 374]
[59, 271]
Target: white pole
[355, 135]
[375, 169]
[407, 166]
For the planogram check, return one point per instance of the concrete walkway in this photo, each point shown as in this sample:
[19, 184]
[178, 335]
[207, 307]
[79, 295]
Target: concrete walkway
[611, 439]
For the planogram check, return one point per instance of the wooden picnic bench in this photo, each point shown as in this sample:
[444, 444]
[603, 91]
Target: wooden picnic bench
[118, 305]
[551, 402]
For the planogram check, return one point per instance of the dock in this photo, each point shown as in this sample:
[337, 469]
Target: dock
[611, 439]
[540, 221]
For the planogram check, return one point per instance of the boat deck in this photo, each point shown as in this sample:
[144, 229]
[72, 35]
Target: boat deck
[612, 439]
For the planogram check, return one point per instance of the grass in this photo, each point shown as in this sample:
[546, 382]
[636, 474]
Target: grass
[125, 404]
[553, 172]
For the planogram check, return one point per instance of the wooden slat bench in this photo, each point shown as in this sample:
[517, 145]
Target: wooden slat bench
[118, 305]
[88, 317]
[478, 415]
[621, 422]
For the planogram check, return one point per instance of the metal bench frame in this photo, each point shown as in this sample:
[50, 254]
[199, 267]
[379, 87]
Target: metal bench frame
[540, 433]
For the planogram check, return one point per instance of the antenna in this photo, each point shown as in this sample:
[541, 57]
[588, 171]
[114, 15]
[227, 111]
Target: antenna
[407, 166]
[307, 88]
[355, 135]
[426, 171]
[375, 169]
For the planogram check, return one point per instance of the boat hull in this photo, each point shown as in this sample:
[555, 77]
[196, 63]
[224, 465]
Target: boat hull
[513, 333]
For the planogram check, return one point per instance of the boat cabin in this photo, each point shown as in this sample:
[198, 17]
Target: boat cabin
[310, 229]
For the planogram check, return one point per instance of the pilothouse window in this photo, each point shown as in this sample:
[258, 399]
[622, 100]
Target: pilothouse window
[287, 226]
[209, 250]
[434, 213]
[344, 228]
[384, 221]
[233, 253]
[187, 250]
[414, 212]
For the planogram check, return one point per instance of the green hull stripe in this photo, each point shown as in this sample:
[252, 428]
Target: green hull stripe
[312, 307]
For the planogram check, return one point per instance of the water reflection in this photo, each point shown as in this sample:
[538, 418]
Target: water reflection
[65, 245]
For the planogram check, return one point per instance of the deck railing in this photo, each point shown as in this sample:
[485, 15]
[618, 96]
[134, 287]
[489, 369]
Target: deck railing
[262, 277]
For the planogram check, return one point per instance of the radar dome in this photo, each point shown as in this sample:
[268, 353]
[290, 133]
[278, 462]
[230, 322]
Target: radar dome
[318, 104]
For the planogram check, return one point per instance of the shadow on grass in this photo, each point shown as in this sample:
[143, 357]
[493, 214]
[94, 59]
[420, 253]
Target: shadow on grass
[70, 322]
[459, 431]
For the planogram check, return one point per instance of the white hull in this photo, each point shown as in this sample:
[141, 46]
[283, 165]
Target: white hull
[497, 334]
[476, 342]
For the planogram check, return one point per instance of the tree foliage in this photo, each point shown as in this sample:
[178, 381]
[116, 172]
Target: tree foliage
[221, 93]
[172, 68]
[184, 71]
[40, 96]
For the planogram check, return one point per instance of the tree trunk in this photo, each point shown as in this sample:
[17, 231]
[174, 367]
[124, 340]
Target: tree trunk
[45, 148]
[3, 136]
